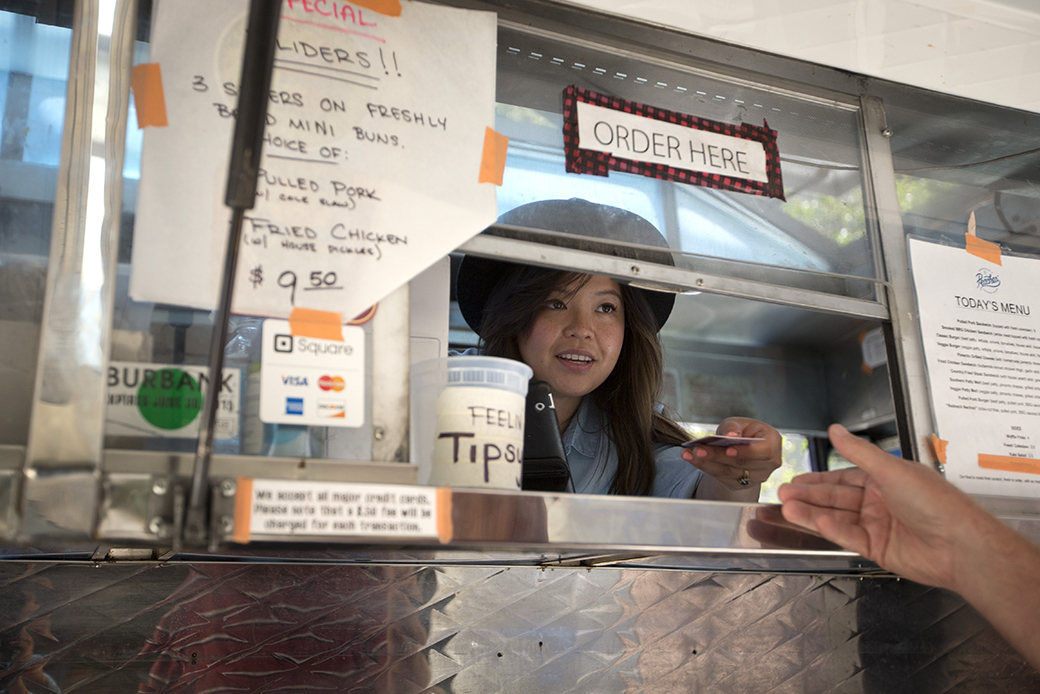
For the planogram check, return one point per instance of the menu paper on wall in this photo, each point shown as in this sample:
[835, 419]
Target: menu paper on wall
[980, 325]
[372, 154]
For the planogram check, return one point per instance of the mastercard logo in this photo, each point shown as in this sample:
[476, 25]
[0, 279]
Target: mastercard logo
[331, 383]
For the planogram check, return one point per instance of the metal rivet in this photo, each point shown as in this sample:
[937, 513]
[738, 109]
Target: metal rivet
[635, 269]
[226, 524]
[379, 433]
[887, 132]
[700, 283]
[227, 488]
[160, 486]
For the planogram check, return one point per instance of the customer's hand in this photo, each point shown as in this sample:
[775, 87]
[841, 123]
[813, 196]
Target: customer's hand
[909, 520]
[900, 514]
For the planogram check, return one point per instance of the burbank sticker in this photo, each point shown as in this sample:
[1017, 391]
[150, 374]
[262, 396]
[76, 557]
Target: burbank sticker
[166, 400]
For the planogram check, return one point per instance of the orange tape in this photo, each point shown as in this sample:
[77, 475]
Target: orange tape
[243, 509]
[146, 83]
[325, 325]
[1009, 464]
[391, 8]
[493, 160]
[445, 528]
[982, 248]
[939, 446]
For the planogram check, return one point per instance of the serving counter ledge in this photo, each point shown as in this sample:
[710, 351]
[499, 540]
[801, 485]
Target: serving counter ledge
[140, 518]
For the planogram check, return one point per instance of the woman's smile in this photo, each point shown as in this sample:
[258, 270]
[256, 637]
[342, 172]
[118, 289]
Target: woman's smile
[576, 360]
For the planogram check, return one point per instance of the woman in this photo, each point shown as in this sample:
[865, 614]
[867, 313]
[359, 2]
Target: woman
[595, 342]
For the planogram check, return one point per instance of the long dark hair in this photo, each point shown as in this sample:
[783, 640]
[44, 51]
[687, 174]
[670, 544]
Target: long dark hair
[627, 399]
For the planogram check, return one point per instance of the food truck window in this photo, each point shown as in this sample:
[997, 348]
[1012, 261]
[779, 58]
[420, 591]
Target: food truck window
[819, 238]
[766, 356]
[820, 227]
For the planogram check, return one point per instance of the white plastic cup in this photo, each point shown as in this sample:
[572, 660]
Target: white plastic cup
[467, 421]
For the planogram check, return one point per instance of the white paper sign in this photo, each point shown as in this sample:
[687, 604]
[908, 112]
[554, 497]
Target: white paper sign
[307, 380]
[873, 348]
[980, 323]
[653, 141]
[165, 400]
[293, 507]
[371, 157]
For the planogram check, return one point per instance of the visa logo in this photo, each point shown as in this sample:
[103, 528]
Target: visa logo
[294, 380]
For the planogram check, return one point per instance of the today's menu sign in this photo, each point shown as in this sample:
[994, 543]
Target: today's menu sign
[980, 324]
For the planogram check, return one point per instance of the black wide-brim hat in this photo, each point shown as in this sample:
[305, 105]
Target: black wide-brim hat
[598, 224]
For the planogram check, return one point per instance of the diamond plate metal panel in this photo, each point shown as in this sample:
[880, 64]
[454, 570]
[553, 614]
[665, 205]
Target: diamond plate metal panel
[283, 626]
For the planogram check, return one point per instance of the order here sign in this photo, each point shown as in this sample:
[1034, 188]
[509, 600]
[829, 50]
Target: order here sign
[603, 133]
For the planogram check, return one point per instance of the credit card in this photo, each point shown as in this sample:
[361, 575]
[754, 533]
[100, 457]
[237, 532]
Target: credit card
[719, 440]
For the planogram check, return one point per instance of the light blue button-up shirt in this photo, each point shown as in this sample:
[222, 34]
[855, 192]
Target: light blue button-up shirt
[593, 459]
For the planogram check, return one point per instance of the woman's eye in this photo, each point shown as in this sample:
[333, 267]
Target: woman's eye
[608, 308]
[556, 303]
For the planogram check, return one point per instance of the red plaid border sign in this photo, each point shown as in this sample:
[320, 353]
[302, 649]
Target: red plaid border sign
[604, 133]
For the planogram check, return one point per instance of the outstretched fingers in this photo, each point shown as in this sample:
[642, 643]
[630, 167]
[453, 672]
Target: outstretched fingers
[853, 477]
[828, 493]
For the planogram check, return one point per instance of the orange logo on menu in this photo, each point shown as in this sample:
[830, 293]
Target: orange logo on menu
[334, 383]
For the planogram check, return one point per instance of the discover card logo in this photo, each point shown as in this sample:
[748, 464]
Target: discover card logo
[987, 281]
[333, 409]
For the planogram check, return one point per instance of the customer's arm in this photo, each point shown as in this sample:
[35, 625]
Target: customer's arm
[911, 521]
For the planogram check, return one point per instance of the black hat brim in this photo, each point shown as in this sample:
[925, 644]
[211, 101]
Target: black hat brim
[478, 276]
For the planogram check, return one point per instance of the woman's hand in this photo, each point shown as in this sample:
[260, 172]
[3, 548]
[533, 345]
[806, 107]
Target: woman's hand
[727, 467]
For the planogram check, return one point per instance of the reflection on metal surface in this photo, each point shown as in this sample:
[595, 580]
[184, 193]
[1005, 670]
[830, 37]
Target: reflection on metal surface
[67, 426]
[140, 487]
[675, 278]
[378, 628]
[575, 522]
[10, 485]
[139, 506]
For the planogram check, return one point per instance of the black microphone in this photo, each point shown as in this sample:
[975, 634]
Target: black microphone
[545, 466]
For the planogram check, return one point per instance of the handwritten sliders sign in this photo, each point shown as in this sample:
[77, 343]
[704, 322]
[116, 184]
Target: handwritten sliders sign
[372, 159]
[603, 133]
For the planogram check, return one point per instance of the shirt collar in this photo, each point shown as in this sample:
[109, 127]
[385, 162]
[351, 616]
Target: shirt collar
[584, 432]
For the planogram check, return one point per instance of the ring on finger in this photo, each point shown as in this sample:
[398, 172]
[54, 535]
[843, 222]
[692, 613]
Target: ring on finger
[745, 479]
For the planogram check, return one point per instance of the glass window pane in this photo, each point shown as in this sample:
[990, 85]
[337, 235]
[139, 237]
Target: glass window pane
[978, 158]
[821, 228]
[34, 61]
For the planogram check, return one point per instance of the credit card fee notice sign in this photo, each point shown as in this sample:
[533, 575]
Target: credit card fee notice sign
[311, 381]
